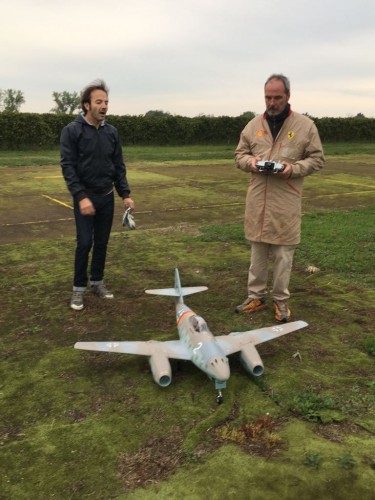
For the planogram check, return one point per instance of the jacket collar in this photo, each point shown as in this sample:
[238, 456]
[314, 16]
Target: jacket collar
[280, 117]
[83, 117]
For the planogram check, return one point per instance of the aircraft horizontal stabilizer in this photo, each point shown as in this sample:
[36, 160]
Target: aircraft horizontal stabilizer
[178, 290]
[173, 292]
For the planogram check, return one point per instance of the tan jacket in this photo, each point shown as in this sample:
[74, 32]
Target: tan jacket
[273, 204]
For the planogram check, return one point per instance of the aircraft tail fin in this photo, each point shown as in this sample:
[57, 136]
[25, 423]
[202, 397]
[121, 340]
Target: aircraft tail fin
[178, 290]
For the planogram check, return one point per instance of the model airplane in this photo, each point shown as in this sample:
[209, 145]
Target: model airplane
[197, 343]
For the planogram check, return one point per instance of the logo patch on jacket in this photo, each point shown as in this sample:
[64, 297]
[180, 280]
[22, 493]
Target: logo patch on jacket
[261, 133]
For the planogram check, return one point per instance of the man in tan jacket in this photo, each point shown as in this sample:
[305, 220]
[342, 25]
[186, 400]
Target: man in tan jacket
[273, 202]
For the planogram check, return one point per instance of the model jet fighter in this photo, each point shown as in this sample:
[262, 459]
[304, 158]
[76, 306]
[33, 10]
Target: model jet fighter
[197, 344]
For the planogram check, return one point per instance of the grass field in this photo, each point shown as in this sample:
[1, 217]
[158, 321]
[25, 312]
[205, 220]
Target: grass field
[83, 425]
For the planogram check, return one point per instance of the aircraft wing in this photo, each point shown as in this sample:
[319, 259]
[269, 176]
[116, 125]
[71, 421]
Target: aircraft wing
[235, 341]
[174, 349]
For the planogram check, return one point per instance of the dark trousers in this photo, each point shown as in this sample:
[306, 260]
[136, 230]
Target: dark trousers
[92, 231]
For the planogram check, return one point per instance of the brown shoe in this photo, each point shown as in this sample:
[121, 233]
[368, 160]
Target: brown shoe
[282, 311]
[251, 305]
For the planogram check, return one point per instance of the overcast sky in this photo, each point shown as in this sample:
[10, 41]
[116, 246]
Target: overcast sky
[191, 57]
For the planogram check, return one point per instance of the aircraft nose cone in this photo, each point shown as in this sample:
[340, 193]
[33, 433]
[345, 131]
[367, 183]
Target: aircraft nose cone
[220, 369]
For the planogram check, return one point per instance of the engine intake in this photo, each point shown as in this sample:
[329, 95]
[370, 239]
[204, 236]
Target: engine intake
[251, 361]
[161, 370]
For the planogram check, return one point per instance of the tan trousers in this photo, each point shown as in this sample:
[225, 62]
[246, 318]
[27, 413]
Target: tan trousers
[282, 261]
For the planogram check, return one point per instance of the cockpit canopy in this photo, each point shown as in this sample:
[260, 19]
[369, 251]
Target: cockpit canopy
[199, 325]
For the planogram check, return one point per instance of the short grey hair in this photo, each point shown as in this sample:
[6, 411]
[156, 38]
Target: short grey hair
[282, 78]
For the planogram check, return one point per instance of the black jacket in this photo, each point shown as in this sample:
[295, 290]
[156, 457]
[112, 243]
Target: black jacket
[91, 159]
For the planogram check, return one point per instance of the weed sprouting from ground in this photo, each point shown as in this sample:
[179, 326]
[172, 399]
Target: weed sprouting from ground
[369, 345]
[313, 460]
[346, 461]
[309, 404]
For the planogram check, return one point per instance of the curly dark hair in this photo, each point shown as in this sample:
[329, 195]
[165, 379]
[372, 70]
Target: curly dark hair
[86, 92]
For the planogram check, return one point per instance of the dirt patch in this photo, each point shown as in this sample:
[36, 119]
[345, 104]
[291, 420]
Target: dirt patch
[152, 462]
[48, 212]
[337, 433]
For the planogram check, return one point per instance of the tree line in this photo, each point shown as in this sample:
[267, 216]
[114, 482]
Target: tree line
[156, 127]
[42, 131]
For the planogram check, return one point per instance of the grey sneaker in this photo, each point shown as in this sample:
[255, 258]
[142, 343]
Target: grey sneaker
[76, 301]
[101, 291]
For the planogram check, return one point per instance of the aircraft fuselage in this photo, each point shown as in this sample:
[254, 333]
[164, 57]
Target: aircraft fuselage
[206, 353]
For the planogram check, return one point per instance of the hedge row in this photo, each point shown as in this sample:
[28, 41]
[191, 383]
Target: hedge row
[42, 131]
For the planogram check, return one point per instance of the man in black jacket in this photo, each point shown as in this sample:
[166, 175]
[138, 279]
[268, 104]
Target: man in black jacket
[92, 165]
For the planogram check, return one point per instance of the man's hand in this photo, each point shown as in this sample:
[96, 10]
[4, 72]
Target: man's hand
[253, 166]
[287, 172]
[86, 207]
[128, 202]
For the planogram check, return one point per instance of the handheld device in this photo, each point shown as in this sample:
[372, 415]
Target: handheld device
[270, 167]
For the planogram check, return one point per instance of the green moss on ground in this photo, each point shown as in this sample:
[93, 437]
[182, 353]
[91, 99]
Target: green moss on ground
[77, 424]
[80, 422]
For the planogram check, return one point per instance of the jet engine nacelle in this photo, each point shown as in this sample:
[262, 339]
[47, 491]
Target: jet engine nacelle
[161, 370]
[251, 361]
